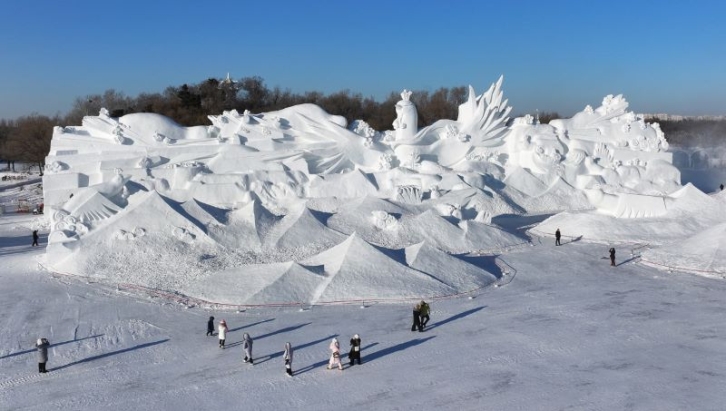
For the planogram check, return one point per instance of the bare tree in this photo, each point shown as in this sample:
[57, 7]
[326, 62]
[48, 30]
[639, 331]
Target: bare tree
[30, 138]
[8, 151]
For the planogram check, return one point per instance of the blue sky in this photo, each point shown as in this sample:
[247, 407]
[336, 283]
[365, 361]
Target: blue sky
[667, 56]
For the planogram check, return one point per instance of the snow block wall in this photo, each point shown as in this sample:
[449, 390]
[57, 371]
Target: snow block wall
[233, 211]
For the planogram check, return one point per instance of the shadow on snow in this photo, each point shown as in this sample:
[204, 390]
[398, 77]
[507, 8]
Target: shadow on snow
[109, 354]
[51, 346]
[456, 317]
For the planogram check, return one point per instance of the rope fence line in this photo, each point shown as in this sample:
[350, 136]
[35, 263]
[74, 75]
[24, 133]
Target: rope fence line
[636, 251]
[508, 272]
[684, 269]
[500, 250]
[543, 234]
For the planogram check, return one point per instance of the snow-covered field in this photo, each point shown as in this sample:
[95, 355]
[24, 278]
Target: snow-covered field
[566, 332]
[296, 227]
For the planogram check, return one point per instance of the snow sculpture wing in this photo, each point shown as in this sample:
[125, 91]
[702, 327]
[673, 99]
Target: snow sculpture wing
[484, 118]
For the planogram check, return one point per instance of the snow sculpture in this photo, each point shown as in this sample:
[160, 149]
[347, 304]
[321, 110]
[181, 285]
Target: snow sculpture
[385, 162]
[383, 220]
[183, 234]
[55, 167]
[410, 194]
[362, 128]
[484, 118]
[406, 122]
[281, 187]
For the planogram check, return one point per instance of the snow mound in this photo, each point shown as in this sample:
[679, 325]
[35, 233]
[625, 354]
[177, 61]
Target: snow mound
[703, 253]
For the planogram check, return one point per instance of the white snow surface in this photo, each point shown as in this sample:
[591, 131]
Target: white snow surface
[562, 330]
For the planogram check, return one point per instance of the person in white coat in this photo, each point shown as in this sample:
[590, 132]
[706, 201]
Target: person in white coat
[42, 345]
[247, 345]
[335, 355]
[288, 359]
[222, 333]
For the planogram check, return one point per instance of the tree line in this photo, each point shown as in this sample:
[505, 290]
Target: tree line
[27, 138]
[694, 133]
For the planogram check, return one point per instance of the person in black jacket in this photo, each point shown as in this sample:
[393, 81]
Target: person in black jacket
[354, 353]
[416, 317]
[35, 238]
[210, 326]
[557, 237]
[612, 256]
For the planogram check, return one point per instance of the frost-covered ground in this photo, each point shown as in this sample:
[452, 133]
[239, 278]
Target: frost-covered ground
[568, 332]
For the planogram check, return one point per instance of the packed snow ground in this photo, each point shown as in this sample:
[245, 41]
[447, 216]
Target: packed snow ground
[568, 332]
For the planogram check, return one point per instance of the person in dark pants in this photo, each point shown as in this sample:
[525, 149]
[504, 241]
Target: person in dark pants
[287, 356]
[247, 346]
[416, 317]
[424, 314]
[612, 256]
[210, 326]
[35, 238]
[721, 187]
[557, 237]
[354, 353]
[42, 345]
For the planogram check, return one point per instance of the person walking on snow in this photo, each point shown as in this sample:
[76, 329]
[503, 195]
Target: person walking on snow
[612, 256]
[354, 353]
[287, 356]
[416, 317]
[42, 345]
[425, 309]
[210, 326]
[247, 345]
[335, 355]
[222, 333]
[35, 238]
[557, 237]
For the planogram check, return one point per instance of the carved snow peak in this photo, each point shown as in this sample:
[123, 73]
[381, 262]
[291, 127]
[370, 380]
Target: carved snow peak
[484, 118]
[613, 104]
[406, 95]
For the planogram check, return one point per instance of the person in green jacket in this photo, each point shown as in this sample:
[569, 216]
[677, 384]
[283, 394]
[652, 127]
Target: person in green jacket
[425, 309]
